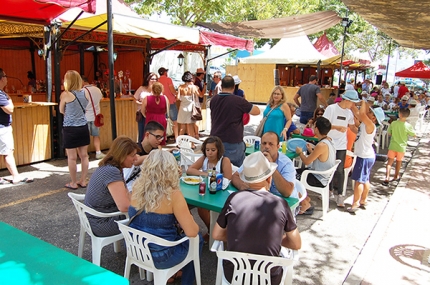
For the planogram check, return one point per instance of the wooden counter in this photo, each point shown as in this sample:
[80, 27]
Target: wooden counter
[31, 132]
[125, 122]
[35, 97]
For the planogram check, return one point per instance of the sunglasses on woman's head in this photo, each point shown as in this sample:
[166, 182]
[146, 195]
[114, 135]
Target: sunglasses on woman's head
[320, 114]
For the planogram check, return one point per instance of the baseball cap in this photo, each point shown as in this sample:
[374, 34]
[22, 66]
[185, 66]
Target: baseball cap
[162, 70]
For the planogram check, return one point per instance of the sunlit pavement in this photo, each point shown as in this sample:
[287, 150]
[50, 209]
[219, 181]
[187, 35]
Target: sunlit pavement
[388, 243]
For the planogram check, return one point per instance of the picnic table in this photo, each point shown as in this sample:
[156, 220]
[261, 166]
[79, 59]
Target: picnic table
[25, 259]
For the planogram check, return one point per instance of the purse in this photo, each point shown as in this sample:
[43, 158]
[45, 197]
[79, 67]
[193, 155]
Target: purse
[99, 119]
[196, 114]
[259, 130]
[139, 116]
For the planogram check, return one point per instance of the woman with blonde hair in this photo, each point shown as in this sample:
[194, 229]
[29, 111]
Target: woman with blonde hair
[106, 191]
[76, 136]
[278, 114]
[159, 205]
[155, 107]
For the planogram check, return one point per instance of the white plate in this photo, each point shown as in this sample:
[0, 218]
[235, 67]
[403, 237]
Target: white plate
[196, 180]
[248, 144]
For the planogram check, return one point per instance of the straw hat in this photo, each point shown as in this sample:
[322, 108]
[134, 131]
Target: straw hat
[200, 70]
[257, 168]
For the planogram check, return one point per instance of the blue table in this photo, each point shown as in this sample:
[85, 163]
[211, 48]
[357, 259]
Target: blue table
[25, 259]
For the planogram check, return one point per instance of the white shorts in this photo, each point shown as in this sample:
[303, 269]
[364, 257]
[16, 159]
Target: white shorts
[6, 141]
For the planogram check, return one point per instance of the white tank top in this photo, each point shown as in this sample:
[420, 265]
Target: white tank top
[363, 145]
[217, 167]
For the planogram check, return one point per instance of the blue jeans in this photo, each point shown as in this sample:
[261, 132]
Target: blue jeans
[163, 261]
[305, 116]
[141, 129]
[235, 151]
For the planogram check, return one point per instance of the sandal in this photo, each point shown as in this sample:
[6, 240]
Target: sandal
[385, 183]
[175, 276]
[309, 211]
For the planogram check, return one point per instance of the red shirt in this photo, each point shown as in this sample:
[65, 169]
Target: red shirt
[402, 91]
[166, 81]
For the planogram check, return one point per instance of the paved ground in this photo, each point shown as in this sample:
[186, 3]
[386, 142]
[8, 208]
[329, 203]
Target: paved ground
[388, 243]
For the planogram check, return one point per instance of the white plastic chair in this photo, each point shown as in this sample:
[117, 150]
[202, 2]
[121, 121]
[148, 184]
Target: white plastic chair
[251, 139]
[188, 157]
[301, 189]
[185, 141]
[347, 170]
[324, 191]
[384, 134]
[378, 137]
[97, 243]
[260, 270]
[139, 254]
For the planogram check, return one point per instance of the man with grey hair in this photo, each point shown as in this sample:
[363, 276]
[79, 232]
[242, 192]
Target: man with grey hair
[227, 112]
[217, 80]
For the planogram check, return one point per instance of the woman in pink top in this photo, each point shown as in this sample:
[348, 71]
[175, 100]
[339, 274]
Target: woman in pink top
[155, 107]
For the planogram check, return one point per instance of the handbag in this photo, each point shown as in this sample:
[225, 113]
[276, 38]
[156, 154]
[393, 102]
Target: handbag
[196, 115]
[139, 116]
[259, 130]
[169, 129]
[99, 119]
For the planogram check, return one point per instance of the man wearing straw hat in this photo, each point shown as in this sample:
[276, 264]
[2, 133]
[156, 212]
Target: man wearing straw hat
[261, 225]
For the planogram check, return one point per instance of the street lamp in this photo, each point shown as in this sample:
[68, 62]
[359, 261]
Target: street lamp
[346, 22]
[180, 59]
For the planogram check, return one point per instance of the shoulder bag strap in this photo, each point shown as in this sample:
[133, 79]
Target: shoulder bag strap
[92, 103]
[78, 102]
[271, 111]
[132, 218]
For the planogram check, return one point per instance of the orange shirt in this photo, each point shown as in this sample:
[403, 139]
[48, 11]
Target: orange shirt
[350, 139]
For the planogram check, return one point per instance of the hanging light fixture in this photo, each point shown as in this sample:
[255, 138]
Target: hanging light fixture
[180, 59]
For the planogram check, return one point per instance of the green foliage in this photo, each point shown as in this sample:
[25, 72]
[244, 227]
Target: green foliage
[360, 35]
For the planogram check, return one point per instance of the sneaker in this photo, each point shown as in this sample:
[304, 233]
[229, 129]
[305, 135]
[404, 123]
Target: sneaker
[340, 200]
[100, 155]
[332, 196]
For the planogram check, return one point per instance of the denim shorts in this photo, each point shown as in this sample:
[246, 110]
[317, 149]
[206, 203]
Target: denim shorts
[94, 131]
[173, 112]
[235, 152]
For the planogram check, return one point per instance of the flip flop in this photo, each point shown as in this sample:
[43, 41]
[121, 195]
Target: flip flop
[309, 211]
[4, 182]
[70, 187]
[352, 210]
[21, 182]
[81, 186]
[385, 183]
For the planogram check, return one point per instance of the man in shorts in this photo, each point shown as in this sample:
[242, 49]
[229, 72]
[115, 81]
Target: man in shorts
[96, 96]
[399, 131]
[170, 92]
[6, 136]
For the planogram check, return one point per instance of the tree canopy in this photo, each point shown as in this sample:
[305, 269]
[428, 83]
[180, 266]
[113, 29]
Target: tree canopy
[360, 35]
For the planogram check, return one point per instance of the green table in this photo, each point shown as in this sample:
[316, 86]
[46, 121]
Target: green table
[290, 154]
[215, 202]
[25, 259]
[297, 136]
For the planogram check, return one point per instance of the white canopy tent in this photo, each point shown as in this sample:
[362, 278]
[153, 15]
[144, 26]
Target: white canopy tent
[295, 50]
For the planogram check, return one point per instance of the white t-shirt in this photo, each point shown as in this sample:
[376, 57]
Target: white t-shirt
[97, 95]
[338, 117]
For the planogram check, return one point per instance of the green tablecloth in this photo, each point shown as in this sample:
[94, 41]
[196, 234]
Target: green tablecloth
[314, 139]
[215, 202]
[25, 259]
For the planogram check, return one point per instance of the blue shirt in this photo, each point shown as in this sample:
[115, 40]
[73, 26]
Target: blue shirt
[286, 169]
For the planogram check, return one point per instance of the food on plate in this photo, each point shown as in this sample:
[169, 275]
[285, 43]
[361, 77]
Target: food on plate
[192, 179]
[248, 144]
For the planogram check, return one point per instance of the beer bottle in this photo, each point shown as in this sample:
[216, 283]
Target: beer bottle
[212, 183]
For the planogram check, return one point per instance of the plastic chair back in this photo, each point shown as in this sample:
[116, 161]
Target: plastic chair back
[139, 254]
[253, 268]
[324, 191]
[251, 139]
[97, 242]
[185, 141]
[188, 157]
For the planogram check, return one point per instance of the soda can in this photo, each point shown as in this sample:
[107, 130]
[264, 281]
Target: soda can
[219, 179]
[202, 187]
[177, 154]
[257, 145]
